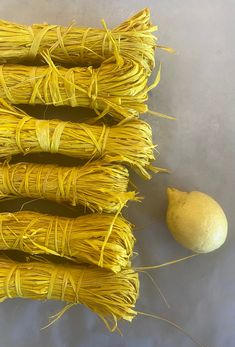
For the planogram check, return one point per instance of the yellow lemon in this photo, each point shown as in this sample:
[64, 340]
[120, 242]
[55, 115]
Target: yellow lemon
[196, 220]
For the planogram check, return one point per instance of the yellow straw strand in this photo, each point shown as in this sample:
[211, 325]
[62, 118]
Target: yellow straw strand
[172, 262]
[129, 143]
[111, 296]
[79, 239]
[133, 39]
[163, 319]
[161, 115]
[98, 186]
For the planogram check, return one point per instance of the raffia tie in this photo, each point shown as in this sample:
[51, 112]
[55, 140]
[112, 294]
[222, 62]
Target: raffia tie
[100, 144]
[50, 81]
[93, 89]
[64, 235]
[67, 281]
[109, 43]
[20, 240]
[63, 193]
[37, 39]
[13, 278]
[50, 141]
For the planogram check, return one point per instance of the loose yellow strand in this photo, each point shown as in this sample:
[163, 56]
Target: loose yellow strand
[161, 115]
[163, 319]
[57, 316]
[157, 287]
[141, 268]
[107, 236]
[167, 49]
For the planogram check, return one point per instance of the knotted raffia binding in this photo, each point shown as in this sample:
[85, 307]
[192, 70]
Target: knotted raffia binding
[101, 239]
[99, 186]
[111, 296]
[129, 143]
[117, 90]
[133, 39]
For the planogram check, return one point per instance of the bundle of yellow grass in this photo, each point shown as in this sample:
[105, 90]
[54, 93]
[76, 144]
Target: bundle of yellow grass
[98, 186]
[133, 39]
[129, 143]
[99, 239]
[111, 296]
[117, 90]
[110, 77]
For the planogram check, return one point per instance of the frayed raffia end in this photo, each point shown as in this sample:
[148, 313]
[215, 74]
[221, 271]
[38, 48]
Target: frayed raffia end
[167, 49]
[161, 115]
[156, 169]
[154, 85]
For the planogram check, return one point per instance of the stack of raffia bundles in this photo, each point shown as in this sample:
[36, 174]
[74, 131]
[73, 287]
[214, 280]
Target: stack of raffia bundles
[111, 75]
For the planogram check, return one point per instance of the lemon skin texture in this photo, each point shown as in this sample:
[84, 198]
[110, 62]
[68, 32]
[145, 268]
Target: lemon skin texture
[196, 220]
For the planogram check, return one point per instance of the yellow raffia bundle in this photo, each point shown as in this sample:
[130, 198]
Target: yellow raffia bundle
[111, 296]
[130, 143]
[133, 39]
[101, 239]
[98, 186]
[119, 90]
